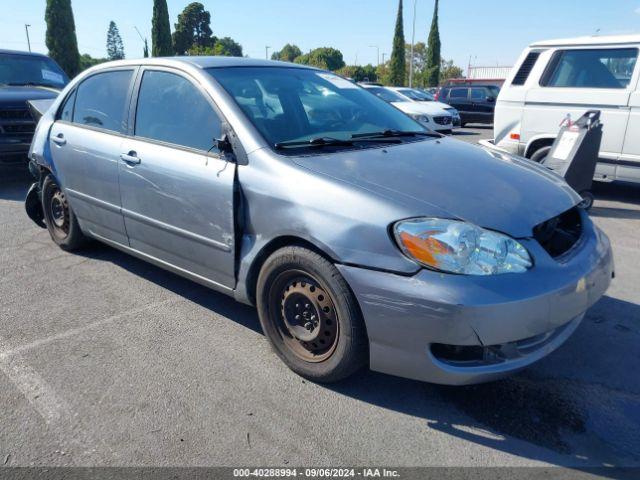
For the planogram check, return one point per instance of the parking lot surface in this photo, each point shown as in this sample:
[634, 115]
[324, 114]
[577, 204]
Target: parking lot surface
[107, 360]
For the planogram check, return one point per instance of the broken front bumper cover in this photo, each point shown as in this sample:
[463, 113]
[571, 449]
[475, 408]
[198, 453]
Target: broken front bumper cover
[426, 326]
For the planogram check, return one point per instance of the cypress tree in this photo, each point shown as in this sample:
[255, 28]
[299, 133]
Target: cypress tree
[160, 30]
[115, 48]
[432, 77]
[61, 36]
[397, 62]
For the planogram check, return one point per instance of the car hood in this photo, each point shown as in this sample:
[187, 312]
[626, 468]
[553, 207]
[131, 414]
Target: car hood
[446, 177]
[441, 105]
[420, 108]
[17, 96]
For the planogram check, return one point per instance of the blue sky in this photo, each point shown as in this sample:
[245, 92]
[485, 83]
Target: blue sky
[490, 32]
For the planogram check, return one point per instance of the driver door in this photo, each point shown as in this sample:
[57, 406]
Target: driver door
[177, 188]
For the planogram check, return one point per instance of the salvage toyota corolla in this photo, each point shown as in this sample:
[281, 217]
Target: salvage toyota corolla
[360, 236]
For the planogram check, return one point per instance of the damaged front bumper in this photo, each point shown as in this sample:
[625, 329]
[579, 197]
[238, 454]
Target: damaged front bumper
[459, 329]
[33, 201]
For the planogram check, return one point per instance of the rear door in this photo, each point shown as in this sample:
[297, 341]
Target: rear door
[579, 79]
[177, 188]
[85, 144]
[629, 164]
[459, 99]
[482, 108]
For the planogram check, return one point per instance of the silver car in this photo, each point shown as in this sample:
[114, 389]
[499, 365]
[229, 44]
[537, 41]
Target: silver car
[361, 237]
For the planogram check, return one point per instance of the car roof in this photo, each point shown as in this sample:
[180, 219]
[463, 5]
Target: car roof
[205, 62]
[18, 52]
[591, 40]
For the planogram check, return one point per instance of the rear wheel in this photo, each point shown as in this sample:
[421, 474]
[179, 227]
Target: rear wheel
[310, 316]
[59, 217]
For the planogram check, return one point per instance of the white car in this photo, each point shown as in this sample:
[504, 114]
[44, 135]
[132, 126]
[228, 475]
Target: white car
[415, 95]
[559, 79]
[430, 115]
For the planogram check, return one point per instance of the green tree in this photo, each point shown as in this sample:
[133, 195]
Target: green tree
[87, 61]
[432, 69]
[419, 62]
[359, 73]
[324, 57]
[397, 63]
[115, 48]
[146, 49]
[227, 47]
[449, 70]
[288, 53]
[61, 36]
[193, 29]
[160, 30]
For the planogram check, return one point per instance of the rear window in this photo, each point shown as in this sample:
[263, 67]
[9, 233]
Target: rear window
[592, 68]
[101, 100]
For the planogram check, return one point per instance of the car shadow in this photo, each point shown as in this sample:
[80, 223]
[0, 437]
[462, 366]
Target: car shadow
[617, 192]
[611, 212]
[14, 182]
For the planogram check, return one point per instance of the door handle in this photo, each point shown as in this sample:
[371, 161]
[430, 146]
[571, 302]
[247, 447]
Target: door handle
[59, 139]
[131, 158]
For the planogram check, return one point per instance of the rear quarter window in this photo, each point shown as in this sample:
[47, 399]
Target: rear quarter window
[591, 68]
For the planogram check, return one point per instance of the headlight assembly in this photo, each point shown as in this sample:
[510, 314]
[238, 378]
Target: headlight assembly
[460, 247]
[421, 118]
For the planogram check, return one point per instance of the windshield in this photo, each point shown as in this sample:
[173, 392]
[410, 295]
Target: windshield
[386, 94]
[296, 104]
[30, 70]
[416, 95]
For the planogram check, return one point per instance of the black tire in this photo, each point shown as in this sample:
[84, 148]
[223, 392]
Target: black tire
[294, 285]
[587, 199]
[59, 217]
[540, 154]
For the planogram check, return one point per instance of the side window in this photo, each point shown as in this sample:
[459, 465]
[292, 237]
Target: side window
[101, 100]
[66, 113]
[596, 68]
[171, 109]
[478, 94]
[459, 93]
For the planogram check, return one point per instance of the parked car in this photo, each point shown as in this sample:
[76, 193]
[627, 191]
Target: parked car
[23, 76]
[433, 116]
[475, 103]
[360, 236]
[415, 95]
[559, 79]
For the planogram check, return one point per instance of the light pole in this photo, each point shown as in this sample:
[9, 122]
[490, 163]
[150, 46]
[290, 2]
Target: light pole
[26, 29]
[377, 53]
[413, 38]
[266, 51]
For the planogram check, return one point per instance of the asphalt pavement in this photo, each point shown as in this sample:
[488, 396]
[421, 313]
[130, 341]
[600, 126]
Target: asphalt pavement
[107, 360]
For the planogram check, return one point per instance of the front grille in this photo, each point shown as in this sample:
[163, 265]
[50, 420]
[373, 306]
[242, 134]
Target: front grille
[17, 122]
[443, 120]
[558, 234]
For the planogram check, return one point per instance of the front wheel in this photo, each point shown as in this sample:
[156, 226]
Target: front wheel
[59, 217]
[310, 315]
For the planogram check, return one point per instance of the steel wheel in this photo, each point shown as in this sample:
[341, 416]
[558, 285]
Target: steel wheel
[59, 211]
[308, 322]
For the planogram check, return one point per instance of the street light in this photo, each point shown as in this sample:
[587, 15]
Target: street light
[377, 54]
[413, 38]
[266, 51]
[26, 29]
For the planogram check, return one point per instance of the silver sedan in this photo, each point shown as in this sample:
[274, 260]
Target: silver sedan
[361, 237]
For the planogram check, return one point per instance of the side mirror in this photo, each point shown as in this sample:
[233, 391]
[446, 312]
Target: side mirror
[223, 144]
[491, 99]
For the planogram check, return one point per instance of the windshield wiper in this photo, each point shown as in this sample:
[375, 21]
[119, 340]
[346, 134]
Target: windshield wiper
[328, 141]
[395, 133]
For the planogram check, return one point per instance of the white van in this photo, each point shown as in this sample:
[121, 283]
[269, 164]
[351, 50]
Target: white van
[557, 78]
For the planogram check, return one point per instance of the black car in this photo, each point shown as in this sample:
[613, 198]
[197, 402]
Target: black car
[23, 76]
[475, 103]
